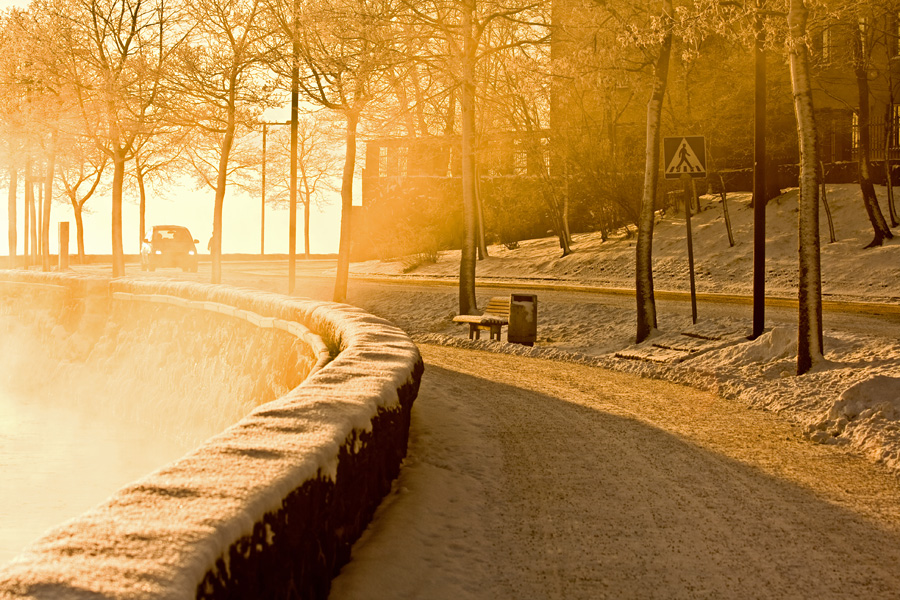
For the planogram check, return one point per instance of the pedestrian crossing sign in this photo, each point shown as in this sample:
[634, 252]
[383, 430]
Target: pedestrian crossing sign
[684, 155]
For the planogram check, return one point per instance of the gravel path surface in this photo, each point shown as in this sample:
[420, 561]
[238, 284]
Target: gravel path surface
[529, 478]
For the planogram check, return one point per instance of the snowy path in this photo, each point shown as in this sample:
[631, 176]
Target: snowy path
[539, 479]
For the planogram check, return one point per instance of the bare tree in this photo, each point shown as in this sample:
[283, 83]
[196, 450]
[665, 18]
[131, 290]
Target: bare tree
[12, 126]
[597, 81]
[114, 52]
[316, 163]
[340, 69]
[221, 88]
[646, 303]
[810, 346]
[48, 100]
[80, 174]
[517, 89]
[157, 157]
[466, 27]
[863, 42]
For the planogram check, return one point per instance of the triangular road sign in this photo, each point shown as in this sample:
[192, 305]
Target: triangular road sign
[684, 156]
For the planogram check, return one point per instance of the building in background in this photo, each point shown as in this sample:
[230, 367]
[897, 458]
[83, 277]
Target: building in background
[591, 158]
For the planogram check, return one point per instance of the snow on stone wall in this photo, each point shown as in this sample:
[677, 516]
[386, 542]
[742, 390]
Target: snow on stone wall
[268, 508]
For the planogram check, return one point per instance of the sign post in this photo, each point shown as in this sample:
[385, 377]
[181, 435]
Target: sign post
[690, 193]
[684, 158]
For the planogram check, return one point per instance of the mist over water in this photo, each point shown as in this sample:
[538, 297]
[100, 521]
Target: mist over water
[58, 461]
[80, 417]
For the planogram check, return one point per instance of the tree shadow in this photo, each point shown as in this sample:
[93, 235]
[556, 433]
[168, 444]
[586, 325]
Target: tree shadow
[589, 502]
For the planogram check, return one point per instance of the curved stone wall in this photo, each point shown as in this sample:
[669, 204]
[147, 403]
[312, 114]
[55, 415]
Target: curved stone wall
[268, 508]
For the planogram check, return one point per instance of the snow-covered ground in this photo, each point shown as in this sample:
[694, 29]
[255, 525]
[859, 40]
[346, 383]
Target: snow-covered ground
[542, 479]
[848, 272]
[853, 398]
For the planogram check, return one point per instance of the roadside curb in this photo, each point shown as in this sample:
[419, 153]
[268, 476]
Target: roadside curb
[847, 306]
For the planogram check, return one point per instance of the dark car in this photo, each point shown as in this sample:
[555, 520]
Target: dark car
[169, 246]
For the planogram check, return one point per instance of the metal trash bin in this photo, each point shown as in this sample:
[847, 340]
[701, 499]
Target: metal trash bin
[522, 319]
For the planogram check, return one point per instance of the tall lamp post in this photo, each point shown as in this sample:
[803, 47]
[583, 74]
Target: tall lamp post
[262, 211]
[759, 174]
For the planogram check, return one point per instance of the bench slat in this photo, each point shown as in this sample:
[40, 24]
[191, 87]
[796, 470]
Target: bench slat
[467, 318]
[484, 319]
[498, 306]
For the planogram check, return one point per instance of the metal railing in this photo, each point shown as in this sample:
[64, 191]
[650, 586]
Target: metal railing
[878, 146]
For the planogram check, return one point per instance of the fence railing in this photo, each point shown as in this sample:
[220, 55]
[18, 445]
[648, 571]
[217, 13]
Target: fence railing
[879, 146]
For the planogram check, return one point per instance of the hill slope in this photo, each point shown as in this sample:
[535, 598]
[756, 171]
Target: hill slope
[849, 272]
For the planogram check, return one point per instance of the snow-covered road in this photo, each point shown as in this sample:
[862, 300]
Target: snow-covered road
[537, 479]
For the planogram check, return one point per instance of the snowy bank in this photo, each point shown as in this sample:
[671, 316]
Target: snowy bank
[274, 502]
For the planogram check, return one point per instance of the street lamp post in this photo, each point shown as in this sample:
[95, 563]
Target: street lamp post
[262, 213]
[759, 175]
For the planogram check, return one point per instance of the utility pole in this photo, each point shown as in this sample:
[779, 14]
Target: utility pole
[690, 195]
[759, 175]
[262, 214]
[295, 119]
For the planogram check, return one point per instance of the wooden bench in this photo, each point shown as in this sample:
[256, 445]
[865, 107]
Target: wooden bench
[496, 315]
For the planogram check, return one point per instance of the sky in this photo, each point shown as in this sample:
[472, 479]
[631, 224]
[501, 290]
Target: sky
[193, 209]
[11, 3]
[183, 205]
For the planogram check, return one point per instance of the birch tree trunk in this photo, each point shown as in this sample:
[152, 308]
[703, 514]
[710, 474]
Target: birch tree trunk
[724, 194]
[221, 181]
[306, 206]
[307, 202]
[32, 213]
[262, 209]
[832, 238]
[482, 245]
[559, 213]
[39, 217]
[467, 302]
[118, 254]
[32, 226]
[565, 215]
[79, 230]
[11, 214]
[563, 228]
[118, 157]
[810, 347]
[30, 246]
[48, 197]
[343, 266]
[646, 304]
